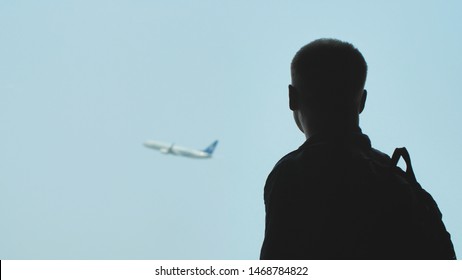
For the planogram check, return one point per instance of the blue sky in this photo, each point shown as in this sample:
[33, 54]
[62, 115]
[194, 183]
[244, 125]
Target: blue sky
[84, 83]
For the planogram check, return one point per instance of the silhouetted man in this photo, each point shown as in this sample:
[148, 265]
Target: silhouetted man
[336, 197]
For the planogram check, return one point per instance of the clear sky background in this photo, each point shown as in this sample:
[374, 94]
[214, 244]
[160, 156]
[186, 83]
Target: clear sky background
[84, 83]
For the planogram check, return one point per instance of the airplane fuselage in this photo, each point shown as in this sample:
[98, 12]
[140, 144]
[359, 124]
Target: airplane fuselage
[170, 148]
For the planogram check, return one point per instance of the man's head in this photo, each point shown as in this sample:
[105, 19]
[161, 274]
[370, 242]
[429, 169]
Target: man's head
[327, 89]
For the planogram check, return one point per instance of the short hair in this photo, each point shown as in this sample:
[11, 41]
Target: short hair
[330, 69]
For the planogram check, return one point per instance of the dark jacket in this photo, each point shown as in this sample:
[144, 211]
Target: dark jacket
[333, 199]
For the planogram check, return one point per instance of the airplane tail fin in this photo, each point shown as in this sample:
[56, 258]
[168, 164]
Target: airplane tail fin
[211, 148]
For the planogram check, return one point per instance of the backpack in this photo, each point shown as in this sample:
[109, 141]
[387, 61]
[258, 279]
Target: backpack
[432, 241]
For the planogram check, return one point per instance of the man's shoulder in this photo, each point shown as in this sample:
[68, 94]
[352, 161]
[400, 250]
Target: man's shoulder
[282, 170]
[380, 156]
[284, 166]
[307, 151]
[293, 165]
[293, 161]
[288, 159]
[318, 155]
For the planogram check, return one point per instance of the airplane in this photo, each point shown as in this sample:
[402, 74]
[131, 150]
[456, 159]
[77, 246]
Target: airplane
[171, 148]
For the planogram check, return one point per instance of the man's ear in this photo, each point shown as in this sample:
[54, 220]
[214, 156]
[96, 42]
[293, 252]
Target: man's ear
[293, 98]
[363, 101]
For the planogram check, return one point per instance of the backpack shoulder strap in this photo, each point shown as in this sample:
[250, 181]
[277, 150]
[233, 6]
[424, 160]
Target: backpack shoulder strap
[403, 153]
[437, 241]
